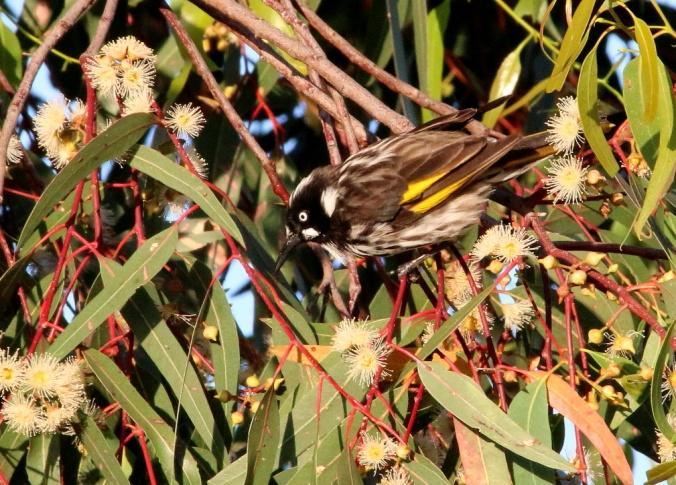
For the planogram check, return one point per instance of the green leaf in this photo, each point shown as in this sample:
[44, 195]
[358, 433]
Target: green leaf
[504, 83]
[661, 473]
[664, 170]
[101, 452]
[423, 472]
[165, 351]
[649, 67]
[263, 440]
[177, 464]
[113, 142]
[437, 20]
[656, 386]
[11, 279]
[43, 461]
[225, 353]
[153, 163]
[138, 270]
[466, 401]
[529, 409]
[10, 55]
[12, 449]
[482, 460]
[587, 99]
[233, 474]
[572, 44]
[646, 133]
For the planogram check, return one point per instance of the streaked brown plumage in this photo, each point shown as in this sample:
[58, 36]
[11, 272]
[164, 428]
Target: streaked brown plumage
[419, 188]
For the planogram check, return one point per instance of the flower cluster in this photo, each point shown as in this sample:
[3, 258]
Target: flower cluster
[362, 349]
[376, 451]
[124, 67]
[60, 127]
[504, 243]
[14, 150]
[516, 315]
[565, 128]
[42, 395]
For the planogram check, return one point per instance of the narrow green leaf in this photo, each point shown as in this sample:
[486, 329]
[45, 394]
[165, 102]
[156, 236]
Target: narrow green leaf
[153, 163]
[482, 460]
[10, 55]
[661, 473]
[529, 409]
[465, 400]
[178, 464]
[587, 99]
[504, 82]
[656, 386]
[225, 352]
[113, 142]
[437, 20]
[233, 474]
[649, 67]
[101, 452]
[395, 44]
[43, 460]
[138, 270]
[263, 440]
[572, 44]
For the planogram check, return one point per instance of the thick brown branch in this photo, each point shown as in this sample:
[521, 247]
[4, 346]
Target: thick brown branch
[231, 12]
[225, 105]
[49, 40]
[298, 81]
[370, 67]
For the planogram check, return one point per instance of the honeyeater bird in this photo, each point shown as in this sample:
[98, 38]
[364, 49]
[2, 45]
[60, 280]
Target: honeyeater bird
[415, 189]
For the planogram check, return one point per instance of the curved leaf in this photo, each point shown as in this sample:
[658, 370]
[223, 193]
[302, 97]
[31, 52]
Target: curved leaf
[263, 440]
[529, 408]
[101, 453]
[483, 462]
[571, 45]
[10, 55]
[587, 99]
[649, 67]
[113, 142]
[504, 83]
[663, 358]
[138, 270]
[461, 396]
[153, 163]
[567, 402]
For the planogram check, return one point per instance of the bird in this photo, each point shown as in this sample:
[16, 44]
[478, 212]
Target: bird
[407, 191]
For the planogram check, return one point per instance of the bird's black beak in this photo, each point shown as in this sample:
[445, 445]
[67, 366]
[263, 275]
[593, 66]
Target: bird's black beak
[291, 242]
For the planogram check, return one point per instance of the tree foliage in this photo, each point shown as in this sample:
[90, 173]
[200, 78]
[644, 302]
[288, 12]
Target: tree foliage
[163, 171]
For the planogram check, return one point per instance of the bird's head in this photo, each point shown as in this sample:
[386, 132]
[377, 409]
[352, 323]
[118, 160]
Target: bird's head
[309, 215]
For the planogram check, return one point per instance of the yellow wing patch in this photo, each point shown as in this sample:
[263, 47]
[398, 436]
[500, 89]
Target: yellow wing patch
[415, 189]
[437, 197]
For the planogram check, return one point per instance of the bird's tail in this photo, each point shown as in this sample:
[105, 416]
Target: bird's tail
[526, 153]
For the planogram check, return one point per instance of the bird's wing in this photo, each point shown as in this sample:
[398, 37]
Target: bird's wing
[410, 174]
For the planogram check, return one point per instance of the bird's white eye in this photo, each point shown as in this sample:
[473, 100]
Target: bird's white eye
[302, 216]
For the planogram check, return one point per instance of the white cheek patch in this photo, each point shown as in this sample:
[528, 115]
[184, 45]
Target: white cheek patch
[310, 233]
[328, 200]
